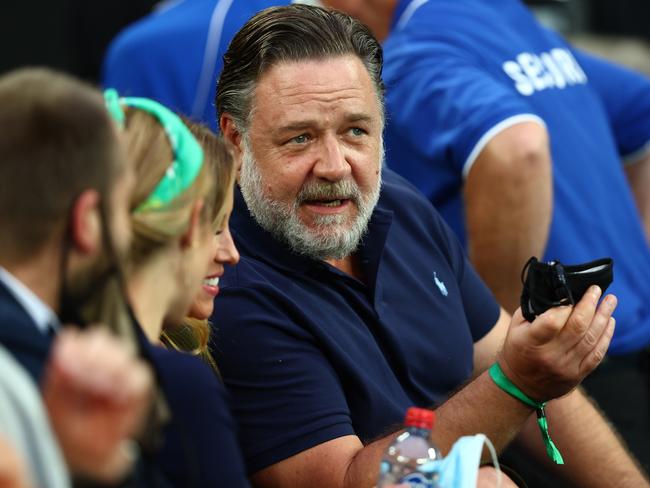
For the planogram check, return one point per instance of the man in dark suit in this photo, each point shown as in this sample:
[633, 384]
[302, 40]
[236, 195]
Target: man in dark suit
[64, 189]
[64, 193]
[19, 331]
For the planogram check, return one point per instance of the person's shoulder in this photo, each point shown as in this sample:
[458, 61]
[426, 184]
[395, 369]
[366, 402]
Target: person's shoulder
[20, 335]
[415, 218]
[133, 37]
[448, 15]
[250, 271]
[433, 36]
[253, 273]
[184, 373]
[401, 196]
[191, 387]
[443, 28]
[200, 409]
[255, 295]
[10, 310]
[174, 359]
[445, 11]
[161, 26]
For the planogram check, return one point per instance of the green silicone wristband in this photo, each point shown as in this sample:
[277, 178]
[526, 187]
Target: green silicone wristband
[502, 381]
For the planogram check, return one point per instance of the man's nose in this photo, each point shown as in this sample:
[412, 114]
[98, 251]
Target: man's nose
[227, 253]
[332, 163]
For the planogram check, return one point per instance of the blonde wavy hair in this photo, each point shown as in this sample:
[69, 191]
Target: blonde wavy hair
[193, 335]
[147, 145]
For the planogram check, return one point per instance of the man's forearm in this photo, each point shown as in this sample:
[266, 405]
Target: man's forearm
[545, 359]
[480, 406]
[345, 463]
[508, 206]
[593, 454]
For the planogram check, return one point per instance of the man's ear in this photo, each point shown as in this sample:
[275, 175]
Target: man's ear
[85, 224]
[233, 138]
[192, 234]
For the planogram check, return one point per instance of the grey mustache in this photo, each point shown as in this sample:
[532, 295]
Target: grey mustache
[329, 191]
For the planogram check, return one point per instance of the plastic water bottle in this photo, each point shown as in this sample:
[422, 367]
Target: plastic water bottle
[409, 451]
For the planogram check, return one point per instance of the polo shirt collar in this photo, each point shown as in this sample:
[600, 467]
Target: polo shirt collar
[256, 242]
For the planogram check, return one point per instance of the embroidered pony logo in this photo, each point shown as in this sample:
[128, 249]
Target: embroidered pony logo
[440, 284]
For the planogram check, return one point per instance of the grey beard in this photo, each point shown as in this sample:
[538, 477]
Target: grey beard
[332, 238]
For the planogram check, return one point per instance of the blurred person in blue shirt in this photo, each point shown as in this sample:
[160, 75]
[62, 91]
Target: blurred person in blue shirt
[175, 54]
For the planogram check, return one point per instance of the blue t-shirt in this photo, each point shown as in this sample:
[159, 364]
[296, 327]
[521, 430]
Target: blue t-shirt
[309, 353]
[175, 55]
[457, 73]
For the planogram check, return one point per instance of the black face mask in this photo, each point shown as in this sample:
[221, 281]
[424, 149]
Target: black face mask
[554, 284]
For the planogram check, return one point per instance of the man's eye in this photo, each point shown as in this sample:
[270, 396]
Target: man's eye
[356, 131]
[301, 139]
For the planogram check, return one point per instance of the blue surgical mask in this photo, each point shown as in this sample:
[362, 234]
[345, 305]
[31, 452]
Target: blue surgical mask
[459, 469]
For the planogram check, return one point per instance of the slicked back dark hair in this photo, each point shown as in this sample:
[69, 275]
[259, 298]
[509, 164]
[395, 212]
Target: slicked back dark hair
[288, 34]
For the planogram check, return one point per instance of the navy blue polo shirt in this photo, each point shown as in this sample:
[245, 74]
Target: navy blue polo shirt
[200, 447]
[199, 444]
[310, 354]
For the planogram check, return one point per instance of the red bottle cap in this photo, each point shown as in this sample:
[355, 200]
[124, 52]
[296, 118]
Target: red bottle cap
[420, 418]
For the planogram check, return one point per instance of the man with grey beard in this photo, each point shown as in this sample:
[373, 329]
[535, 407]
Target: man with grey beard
[331, 238]
[353, 300]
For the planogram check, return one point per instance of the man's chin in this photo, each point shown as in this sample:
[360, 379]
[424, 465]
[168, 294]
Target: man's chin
[327, 223]
[345, 207]
[328, 231]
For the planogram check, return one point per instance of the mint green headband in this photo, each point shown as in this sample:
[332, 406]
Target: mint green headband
[188, 155]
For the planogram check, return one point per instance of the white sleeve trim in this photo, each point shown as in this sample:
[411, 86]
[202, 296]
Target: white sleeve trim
[637, 155]
[212, 44]
[408, 13]
[493, 131]
[165, 5]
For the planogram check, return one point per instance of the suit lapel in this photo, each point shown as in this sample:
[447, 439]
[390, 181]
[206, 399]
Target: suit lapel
[18, 332]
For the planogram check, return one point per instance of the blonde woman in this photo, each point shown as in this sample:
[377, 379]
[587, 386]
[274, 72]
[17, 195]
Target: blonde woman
[173, 208]
[194, 334]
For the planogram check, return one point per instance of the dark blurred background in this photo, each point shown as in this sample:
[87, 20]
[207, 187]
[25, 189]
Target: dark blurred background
[73, 34]
[627, 18]
[68, 34]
